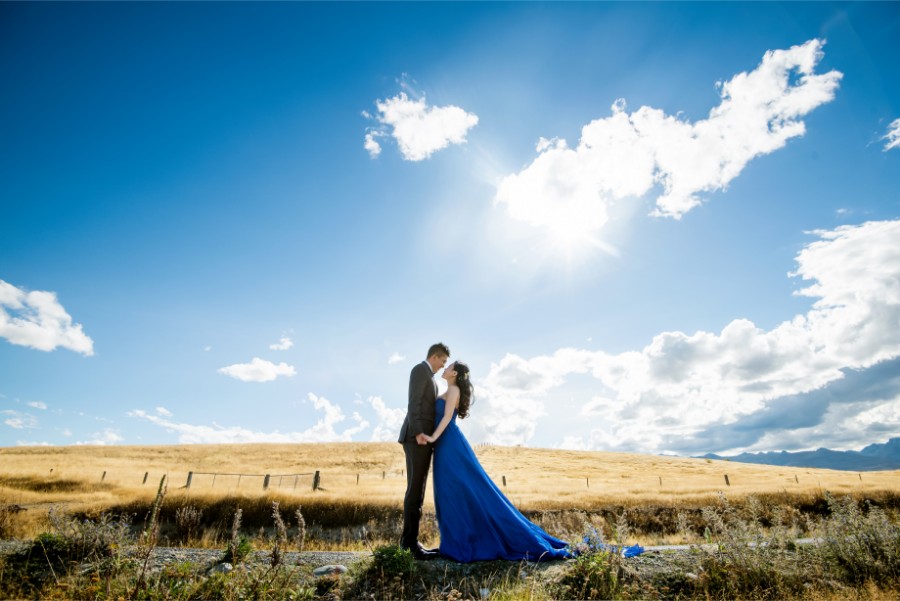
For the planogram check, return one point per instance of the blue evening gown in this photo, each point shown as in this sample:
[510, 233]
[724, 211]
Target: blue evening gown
[477, 522]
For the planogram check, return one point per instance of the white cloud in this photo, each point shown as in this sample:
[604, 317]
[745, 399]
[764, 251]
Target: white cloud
[371, 145]
[419, 129]
[325, 429]
[163, 412]
[597, 406]
[106, 437]
[37, 320]
[893, 135]
[258, 370]
[682, 383]
[570, 190]
[389, 420]
[26, 443]
[505, 419]
[19, 420]
[396, 358]
[37, 405]
[510, 397]
[283, 344]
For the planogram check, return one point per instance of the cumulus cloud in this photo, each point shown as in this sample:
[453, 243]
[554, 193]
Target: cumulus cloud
[511, 396]
[862, 406]
[283, 344]
[19, 420]
[682, 384]
[163, 412]
[420, 130]
[36, 319]
[371, 144]
[258, 370]
[893, 135]
[37, 405]
[389, 420]
[627, 154]
[396, 358]
[326, 429]
[106, 437]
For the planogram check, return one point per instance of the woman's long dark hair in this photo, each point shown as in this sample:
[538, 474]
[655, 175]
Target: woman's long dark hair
[465, 388]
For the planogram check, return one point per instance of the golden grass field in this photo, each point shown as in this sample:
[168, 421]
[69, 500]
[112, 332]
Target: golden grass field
[535, 478]
[644, 499]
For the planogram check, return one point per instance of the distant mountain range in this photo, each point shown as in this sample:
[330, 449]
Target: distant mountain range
[874, 457]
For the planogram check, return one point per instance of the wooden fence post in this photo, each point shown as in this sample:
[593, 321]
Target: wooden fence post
[103, 477]
[296, 479]
[660, 480]
[383, 475]
[587, 481]
[504, 481]
[317, 480]
[190, 477]
[145, 477]
[726, 480]
[796, 479]
[357, 479]
[266, 482]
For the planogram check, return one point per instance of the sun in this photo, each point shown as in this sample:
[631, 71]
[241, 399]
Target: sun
[574, 235]
[570, 215]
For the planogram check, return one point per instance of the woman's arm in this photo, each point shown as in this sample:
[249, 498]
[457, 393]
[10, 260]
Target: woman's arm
[451, 403]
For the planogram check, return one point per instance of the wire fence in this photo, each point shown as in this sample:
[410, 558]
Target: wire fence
[513, 482]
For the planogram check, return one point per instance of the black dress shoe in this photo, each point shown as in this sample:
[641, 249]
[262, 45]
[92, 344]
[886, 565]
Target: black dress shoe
[425, 554]
[435, 550]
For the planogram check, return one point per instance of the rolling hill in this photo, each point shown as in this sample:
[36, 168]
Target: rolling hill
[875, 457]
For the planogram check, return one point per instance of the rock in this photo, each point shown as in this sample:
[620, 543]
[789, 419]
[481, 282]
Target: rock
[330, 570]
[220, 568]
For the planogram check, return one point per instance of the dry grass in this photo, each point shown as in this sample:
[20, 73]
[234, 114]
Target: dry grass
[363, 483]
[541, 477]
[359, 507]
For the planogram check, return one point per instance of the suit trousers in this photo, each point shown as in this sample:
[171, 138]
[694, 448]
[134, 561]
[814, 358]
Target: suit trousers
[418, 461]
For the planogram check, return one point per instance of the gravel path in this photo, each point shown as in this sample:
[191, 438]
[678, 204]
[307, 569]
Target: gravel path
[207, 558]
[654, 563]
[165, 555]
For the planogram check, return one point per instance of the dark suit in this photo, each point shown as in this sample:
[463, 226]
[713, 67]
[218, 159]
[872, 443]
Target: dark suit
[419, 420]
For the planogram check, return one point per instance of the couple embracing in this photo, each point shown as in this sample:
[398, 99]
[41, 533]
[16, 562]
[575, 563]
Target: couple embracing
[476, 521]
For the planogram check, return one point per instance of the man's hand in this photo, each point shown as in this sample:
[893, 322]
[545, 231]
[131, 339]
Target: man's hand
[422, 439]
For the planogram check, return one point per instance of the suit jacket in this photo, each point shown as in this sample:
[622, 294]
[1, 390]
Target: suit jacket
[420, 410]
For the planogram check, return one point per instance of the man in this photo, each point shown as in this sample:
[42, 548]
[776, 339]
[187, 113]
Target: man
[418, 424]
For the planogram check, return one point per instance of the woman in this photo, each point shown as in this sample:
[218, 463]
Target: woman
[477, 522]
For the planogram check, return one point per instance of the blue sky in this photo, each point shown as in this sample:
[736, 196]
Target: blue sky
[658, 228]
